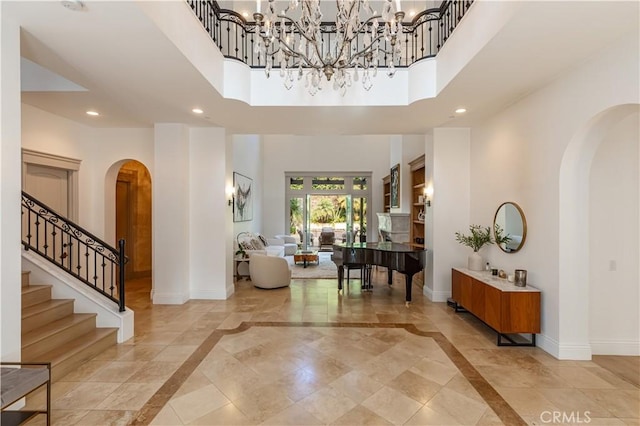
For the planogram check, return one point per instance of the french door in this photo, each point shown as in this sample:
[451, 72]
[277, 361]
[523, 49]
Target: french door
[322, 200]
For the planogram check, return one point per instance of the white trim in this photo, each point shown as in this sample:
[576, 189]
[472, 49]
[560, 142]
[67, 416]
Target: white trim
[615, 347]
[209, 294]
[548, 345]
[169, 298]
[577, 352]
[436, 296]
[51, 160]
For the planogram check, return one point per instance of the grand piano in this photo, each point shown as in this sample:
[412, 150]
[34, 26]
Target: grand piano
[394, 256]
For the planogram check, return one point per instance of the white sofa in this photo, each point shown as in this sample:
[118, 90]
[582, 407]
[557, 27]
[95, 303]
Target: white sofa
[269, 271]
[253, 243]
[289, 243]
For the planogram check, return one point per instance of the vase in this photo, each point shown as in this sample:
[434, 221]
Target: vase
[475, 262]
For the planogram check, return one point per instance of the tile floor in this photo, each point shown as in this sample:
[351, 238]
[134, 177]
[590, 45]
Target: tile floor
[307, 355]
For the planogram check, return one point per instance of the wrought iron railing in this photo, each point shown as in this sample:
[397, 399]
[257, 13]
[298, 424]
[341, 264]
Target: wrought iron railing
[73, 249]
[422, 38]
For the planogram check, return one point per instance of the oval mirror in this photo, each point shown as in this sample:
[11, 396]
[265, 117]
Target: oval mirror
[510, 218]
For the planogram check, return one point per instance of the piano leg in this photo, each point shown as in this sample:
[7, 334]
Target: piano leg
[389, 276]
[408, 279]
[340, 277]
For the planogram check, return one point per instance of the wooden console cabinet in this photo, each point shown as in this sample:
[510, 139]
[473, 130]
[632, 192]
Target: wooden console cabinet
[498, 303]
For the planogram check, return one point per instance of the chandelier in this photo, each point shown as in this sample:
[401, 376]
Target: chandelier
[350, 50]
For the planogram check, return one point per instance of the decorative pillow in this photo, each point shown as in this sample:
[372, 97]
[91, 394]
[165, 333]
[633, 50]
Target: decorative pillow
[263, 240]
[257, 244]
[245, 245]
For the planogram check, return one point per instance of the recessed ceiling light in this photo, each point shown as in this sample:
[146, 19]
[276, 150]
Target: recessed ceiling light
[197, 111]
[412, 13]
[245, 14]
[461, 110]
[94, 113]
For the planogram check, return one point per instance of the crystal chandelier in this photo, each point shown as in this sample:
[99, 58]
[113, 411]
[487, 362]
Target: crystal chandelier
[352, 44]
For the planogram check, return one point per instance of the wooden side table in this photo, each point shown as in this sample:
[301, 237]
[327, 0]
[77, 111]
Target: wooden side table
[237, 262]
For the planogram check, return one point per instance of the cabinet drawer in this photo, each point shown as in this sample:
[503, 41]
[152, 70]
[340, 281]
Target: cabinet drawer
[465, 292]
[477, 298]
[456, 290]
[520, 313]
[492, 307]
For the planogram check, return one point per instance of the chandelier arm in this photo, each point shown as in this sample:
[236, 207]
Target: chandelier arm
[297, 55]
[370, 47]
[295, 24]
[364, 24]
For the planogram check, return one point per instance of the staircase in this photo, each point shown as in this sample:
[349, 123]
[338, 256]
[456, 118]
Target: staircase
[52, 332]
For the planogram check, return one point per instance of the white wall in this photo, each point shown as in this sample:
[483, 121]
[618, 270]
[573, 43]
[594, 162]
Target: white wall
[449, 172]
[614, 297]
[171, 205]
[10, 293]
[247, 160]
[98, 149]
[517, 155]
[289, 153]
[210, 253]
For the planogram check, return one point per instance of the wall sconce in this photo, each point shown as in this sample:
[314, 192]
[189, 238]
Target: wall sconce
[230, 191]
[428, 193]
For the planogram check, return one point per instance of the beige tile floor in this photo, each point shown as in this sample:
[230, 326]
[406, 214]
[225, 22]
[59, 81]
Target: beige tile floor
[307, 355]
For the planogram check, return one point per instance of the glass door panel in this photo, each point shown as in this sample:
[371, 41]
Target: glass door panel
[360, 219]
[349, 218]
[308, 237]
[296, 215]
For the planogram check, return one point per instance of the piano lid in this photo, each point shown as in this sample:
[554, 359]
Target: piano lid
[380, 246]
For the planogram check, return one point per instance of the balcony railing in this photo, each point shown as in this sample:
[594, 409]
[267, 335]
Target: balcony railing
[422, 38]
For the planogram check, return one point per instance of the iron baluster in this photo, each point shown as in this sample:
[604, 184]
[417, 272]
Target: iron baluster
[446, 17]
[121, 263]
[58, 244]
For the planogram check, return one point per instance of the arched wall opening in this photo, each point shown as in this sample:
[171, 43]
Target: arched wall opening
[128, 215]
[574, 233]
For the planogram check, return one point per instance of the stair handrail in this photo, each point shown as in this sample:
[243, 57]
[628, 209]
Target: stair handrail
[56, 246]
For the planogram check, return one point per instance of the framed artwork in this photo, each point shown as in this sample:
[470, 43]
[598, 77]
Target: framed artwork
[395, 186]
[243, 198]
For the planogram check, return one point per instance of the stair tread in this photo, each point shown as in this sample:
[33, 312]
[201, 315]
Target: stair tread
[41, 307]
[34, 287]
[72, 347]
[53, 328]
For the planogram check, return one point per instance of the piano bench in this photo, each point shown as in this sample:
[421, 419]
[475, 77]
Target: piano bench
[365, 274]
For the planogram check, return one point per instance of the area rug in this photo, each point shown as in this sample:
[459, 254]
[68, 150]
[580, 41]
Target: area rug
[325, 269]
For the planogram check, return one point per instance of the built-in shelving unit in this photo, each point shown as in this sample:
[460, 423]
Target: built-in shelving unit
[416, 168]
[386, 189]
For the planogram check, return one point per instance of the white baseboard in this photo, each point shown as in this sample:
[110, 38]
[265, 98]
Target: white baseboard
[548, 345]
[436, 296]
[168, 298]
[209, 294]
[615, 347]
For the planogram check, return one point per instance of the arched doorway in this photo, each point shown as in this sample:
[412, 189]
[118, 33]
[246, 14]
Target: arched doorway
[574, 235]
[129, 188]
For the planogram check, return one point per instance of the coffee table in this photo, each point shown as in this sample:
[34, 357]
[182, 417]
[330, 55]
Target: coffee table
[306, 256]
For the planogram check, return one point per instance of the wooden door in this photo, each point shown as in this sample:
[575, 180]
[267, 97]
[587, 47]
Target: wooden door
[50, 185]
[124, 209]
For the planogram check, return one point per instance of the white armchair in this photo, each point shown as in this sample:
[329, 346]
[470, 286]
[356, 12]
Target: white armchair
[289, 243]
[269, 271]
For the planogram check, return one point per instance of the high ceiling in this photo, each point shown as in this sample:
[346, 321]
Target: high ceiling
[136, 77]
